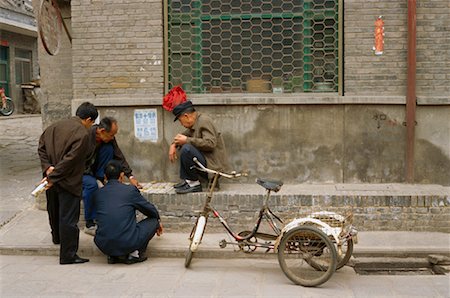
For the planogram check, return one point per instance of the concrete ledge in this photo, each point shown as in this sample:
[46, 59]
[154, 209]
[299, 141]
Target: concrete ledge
[389, 207]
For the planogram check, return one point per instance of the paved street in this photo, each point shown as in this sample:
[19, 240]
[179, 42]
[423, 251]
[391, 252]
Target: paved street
[20, 169]
[26, 276]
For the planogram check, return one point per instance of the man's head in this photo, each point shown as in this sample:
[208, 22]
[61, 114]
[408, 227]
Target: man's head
[185, 113]
[107, 129]
[114, 170]
[87, 112]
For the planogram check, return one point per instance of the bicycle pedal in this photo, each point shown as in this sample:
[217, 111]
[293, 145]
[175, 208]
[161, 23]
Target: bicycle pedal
[223, 243]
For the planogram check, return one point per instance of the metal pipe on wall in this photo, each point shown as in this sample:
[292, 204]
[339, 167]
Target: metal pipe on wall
[411, 92]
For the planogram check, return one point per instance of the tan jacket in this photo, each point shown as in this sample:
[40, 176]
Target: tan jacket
[204, 136]
[65, 145]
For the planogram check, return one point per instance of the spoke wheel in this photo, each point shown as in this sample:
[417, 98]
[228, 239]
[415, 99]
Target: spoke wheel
[347, 251]
[302, 246]
[8, 108]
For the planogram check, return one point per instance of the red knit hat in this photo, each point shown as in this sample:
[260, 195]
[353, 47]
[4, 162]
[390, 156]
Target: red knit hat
[174, 97]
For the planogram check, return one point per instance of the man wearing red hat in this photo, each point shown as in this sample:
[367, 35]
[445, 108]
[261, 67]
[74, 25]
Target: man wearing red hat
[202, 140]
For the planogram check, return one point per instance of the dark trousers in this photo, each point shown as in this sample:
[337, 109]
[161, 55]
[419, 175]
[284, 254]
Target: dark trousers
[187, 153]
[147, 229]
[104, 155]
[63, 214]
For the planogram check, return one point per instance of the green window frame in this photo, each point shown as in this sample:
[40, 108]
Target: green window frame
[277, 46]
[23, 66]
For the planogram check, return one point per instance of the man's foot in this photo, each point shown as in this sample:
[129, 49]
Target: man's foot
[90, 230]
[117, 260]
[188, 189]
[75, 260]
[180, 184]
[133, 260]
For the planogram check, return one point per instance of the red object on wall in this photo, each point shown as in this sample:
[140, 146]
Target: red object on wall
[379, 36]
[4, 43]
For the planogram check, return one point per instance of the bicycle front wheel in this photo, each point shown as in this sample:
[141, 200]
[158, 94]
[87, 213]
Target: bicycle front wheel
[8, 108]
[194, 239]
[302, 246]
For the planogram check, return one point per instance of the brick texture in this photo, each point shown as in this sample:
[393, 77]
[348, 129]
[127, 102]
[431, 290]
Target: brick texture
[367, 74]
[118, 48]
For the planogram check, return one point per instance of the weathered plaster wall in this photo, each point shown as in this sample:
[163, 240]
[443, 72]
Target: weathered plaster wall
[56, 74]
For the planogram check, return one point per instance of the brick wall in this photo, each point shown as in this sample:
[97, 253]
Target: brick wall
[117, 49]
[368, 74]
[364, 72]
[433, 48]
[371, 213]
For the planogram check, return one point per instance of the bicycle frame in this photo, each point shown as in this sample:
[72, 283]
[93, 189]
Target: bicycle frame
[264, 212]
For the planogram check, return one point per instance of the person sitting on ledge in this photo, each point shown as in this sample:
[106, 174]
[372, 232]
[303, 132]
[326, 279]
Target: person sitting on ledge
[202, 140]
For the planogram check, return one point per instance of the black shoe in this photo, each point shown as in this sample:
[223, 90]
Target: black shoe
[180, 184]
[133, 260]
[90, 223]
[117, 260]
[75, 260]
[188, 189]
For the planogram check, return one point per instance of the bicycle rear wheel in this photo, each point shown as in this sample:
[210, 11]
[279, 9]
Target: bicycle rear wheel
[302, 246]
[8, 109]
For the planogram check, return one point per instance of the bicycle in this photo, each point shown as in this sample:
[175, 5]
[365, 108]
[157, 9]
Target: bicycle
[7, 107]
[307, 251]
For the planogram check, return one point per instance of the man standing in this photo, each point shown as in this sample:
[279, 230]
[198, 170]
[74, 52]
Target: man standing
[102, 138]
[63, 149]
[202, 140]
[118, 235]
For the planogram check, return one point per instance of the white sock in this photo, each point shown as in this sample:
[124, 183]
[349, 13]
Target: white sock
[193, 183]
[135, 254]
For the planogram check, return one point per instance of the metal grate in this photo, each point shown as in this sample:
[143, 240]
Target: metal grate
[253, 46]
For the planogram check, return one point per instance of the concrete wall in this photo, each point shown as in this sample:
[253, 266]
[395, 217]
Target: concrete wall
[56, 74]
[117, 63]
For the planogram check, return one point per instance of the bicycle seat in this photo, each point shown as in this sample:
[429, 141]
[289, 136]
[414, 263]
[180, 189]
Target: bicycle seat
[270, 184]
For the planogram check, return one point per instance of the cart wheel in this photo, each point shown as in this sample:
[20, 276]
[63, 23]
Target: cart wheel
[347, 251]
[303, 246]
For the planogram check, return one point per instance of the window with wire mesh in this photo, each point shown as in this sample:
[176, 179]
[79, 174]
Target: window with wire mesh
[275, 46]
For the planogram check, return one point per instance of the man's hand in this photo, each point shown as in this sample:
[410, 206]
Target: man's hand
[134, 182]
[173, 152]
[180, 139]
[160, 230]
[47, 172]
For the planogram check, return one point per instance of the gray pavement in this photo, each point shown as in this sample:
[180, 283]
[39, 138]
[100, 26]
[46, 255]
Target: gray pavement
[20, 167]
[29, 263]
[32, 276]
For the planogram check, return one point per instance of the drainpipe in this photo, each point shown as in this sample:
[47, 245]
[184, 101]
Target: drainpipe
[411, 92]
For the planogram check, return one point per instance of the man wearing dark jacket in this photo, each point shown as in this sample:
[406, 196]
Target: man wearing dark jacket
[105, 148]
[119, 235]
[63, 149]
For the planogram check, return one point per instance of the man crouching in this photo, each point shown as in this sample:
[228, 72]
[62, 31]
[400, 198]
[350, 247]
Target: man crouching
[118, 235]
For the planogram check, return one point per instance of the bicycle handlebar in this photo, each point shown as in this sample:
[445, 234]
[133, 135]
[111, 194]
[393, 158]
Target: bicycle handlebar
[231, 175]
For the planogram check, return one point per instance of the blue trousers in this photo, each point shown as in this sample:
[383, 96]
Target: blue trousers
[104, 155]
[187, 153]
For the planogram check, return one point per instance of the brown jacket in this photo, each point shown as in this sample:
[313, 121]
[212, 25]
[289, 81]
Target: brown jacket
[65, 145]
[204, 136]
